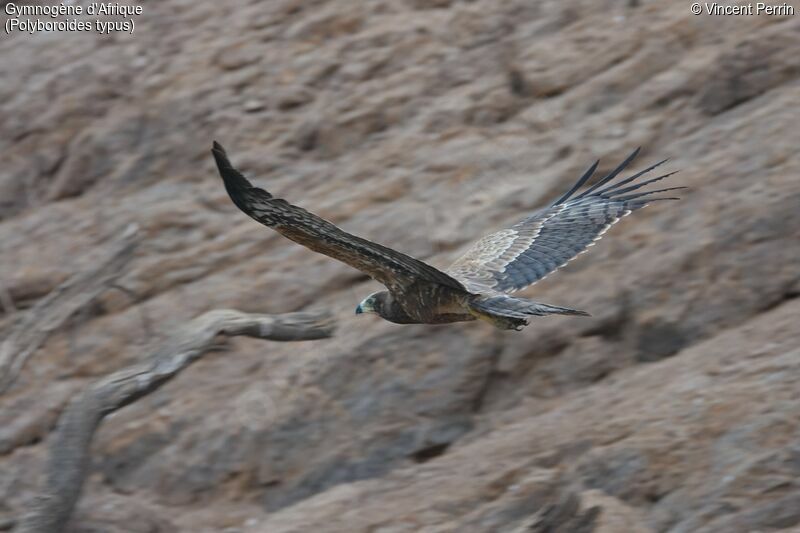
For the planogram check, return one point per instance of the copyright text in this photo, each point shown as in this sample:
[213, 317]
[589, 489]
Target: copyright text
[752, 8]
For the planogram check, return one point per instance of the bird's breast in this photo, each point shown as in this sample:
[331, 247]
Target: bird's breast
[435, 304]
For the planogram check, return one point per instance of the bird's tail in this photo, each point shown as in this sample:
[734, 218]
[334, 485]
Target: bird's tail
[508, 306]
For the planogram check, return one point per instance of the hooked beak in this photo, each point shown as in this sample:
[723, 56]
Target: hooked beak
[365, 306]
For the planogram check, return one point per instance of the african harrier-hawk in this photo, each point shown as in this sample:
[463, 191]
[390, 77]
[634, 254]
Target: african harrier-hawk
[479, 284]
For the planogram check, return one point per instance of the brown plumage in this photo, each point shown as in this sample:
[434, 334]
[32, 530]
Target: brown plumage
[477, 285]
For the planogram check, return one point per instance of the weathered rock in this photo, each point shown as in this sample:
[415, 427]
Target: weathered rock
[420, 124]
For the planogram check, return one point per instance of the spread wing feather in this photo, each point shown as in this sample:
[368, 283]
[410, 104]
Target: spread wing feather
[515, 258]
[392, 268]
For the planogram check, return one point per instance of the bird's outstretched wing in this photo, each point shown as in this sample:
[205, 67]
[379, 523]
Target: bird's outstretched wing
[392, 268]
[515, 258]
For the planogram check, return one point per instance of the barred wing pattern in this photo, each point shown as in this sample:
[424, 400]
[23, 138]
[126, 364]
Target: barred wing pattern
[392, 268]
[518, 257]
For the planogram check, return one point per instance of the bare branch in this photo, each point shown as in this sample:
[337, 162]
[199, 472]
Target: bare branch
[51, 312]
[7, 301]
[69, 459]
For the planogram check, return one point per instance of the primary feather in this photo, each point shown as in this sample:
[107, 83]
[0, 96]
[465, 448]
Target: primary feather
[390, 267]
[521, 255]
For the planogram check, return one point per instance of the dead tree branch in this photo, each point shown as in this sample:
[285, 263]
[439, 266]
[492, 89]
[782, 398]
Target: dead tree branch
[51, 312]
[69, 459]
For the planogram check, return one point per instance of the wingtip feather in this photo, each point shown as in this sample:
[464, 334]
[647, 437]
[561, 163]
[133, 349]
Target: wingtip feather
[234, 180]
[220, 156]
[611, 175]
[586, 175]
[216, 148]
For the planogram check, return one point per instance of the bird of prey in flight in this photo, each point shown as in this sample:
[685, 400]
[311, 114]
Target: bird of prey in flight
[480, 283]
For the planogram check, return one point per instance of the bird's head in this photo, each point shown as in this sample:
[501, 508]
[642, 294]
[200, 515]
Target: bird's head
[374, 303]
[383, 304]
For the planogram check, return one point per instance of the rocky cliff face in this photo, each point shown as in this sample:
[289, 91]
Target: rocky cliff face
[420, 124]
